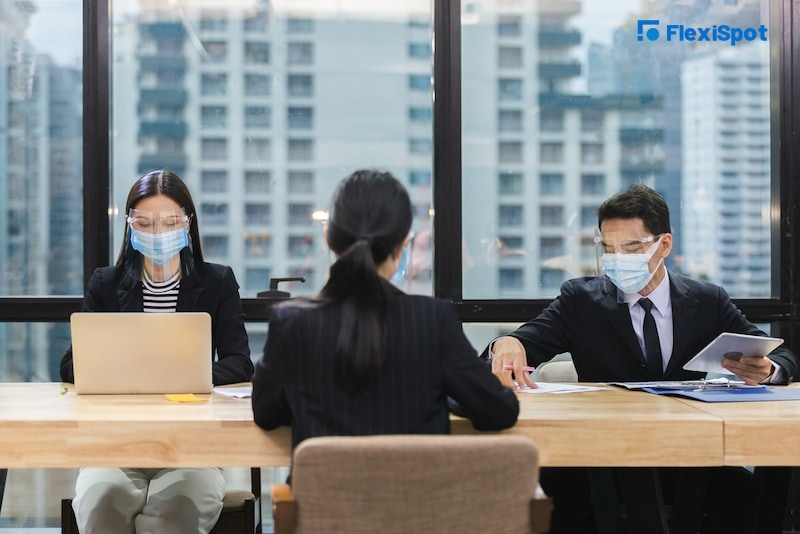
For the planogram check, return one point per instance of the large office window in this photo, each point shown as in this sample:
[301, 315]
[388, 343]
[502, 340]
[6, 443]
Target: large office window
[41, 168]
[616, 98]
[559, 107]
[289, 112]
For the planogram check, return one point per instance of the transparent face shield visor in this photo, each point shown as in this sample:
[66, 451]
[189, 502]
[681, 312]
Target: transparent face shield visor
[155, 223]
[159, 237]
[624, 259]
[402, 276]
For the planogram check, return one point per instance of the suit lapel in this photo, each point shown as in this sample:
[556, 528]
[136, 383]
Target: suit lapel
[129, 295]
[189, 293]
[620, 316]
[684, 310]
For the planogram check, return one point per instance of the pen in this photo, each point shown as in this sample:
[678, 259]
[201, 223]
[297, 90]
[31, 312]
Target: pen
[526, 368]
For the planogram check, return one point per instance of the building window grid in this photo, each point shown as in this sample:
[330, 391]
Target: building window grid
[300, 118]
[300, 85]
[258, 245]
[300, 150]
[300, 182]
[419, 50]
[300, 53]
[213, 116]
[510, 183]
[214, 181]
[257, 117]
[257, 149]
[215, 51]
[256, 182]
[215, 246]
[256, 52]
[257, 84]
[510, 216]
[257, 214]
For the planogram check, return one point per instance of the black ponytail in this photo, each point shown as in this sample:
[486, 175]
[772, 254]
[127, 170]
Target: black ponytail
[370, 218]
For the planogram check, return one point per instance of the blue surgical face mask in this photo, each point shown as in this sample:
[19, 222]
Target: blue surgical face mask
[630, 272]
[160, 248]
[401, 276]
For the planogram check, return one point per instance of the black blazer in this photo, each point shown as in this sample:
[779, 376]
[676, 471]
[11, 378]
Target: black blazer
[428, 358]
[210, 288]
[588, 321]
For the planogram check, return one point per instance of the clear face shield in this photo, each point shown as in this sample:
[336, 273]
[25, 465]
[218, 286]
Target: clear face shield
[402, 277]
[624, 259]
[159, 237]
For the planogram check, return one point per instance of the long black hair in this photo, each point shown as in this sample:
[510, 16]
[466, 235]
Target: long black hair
[167, 183]
[370, 218]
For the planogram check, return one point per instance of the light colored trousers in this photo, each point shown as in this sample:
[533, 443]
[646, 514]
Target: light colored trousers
[148, 501]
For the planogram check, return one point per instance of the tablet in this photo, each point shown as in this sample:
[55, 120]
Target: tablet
[729, 345]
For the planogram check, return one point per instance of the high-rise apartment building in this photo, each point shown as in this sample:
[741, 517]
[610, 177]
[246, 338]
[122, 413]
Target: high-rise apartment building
[726, 168]
[262, 109]
[539, 155]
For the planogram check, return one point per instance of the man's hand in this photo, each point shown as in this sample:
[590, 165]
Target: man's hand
[752, 369]
[508, 351]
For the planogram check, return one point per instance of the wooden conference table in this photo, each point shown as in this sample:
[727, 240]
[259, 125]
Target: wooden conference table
[47, 425]
[42, 427]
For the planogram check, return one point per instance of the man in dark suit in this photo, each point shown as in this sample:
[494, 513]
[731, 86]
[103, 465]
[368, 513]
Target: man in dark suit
[637, 322]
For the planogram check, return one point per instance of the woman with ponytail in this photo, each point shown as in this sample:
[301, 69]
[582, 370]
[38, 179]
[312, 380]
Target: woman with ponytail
[362, 357]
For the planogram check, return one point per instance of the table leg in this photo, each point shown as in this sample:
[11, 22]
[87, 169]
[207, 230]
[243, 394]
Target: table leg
[3, 475]
[604, 500]
[687, 508]
[644, 503]
[772, 495]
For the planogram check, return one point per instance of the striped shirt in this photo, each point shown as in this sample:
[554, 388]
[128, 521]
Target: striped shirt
[160, 297]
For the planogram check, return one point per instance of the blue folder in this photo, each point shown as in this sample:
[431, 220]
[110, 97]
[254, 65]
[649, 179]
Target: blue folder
[732, 394]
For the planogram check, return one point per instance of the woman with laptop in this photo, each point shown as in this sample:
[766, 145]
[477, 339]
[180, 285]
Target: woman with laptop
[160, 269]
[363, 357]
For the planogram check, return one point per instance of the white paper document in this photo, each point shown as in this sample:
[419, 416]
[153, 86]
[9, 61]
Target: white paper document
[729, 345]
[238, 392]
[555, 387]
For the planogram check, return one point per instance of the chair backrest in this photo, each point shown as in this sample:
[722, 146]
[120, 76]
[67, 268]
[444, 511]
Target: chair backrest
[412, 483]
[560, 371]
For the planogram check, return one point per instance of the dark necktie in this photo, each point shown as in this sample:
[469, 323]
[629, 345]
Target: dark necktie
[652, 345]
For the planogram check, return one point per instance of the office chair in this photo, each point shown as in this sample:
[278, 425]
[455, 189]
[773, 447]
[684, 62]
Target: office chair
[558, 371]
[241, 510]
[396, 484]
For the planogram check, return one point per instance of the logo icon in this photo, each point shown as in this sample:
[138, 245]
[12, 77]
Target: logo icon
[651, 33]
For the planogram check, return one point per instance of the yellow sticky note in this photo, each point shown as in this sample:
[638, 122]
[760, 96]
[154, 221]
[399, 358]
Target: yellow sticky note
[184, 397]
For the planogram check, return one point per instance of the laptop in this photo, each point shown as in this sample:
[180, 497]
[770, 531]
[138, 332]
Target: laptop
[129, 352]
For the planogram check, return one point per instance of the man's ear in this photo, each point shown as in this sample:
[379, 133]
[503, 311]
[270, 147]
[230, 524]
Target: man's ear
[666, 245]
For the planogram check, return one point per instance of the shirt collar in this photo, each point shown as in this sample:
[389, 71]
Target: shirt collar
[659, 296]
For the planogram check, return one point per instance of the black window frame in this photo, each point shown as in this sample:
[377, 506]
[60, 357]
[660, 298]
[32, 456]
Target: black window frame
[781, 311]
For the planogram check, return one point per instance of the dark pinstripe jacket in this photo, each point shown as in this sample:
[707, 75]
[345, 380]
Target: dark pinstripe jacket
[428, 359]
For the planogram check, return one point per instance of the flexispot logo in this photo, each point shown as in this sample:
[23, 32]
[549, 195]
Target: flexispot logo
[650, 29]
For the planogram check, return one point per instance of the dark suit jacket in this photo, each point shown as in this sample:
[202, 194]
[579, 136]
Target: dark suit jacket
[588, 321]
[210, 288]
[428, 358]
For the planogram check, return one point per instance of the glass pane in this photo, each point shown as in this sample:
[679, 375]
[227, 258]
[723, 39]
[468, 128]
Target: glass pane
[262, 107]
[41, 148]
[41, 174]
[569, 102]
[32, 351]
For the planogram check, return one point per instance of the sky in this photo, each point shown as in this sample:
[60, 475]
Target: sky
[56, 29]
[56, 26]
